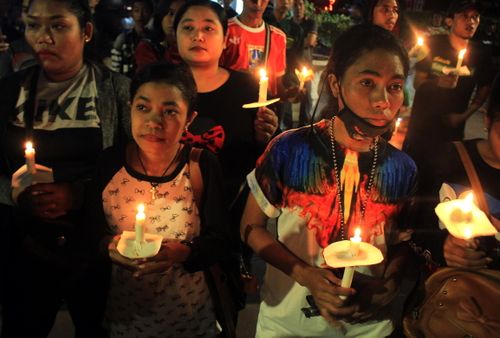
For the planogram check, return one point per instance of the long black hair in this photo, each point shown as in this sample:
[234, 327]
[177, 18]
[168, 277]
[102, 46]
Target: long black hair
[179, 76]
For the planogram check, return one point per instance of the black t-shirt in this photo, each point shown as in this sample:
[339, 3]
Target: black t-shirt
[477, 59]
[427, 127]
[223, 108]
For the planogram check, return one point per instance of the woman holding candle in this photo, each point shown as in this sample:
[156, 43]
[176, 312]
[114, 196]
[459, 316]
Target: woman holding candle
[303, 178]
[166, 295]
[485, 156]
[236, 134]
[56, 105]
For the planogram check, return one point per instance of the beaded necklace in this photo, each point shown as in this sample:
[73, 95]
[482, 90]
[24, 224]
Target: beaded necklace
[373, 147]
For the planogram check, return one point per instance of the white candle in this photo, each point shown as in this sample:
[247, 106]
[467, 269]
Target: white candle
[349, 270]
[398, 123]
[29, 155]
[347, 278]
[263, 83]
[139, 224]
[461, 55]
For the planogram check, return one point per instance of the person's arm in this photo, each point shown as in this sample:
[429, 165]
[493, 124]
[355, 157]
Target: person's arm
[420, 77]
[455, 119]
[322, 283]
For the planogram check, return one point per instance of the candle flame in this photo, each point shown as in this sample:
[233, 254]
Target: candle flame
[29, 146]
[468, 201]
[468, 233]
[461, 54]
[140, 208]
[305, 71]
[357, 233]
[398, 122]
[262, 73]
[420, 41]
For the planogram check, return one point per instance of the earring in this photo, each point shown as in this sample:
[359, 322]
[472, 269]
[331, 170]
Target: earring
[87, 39]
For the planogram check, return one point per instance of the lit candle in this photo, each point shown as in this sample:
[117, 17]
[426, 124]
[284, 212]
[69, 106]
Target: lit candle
[463, 210]
[263, 82]
[355, 240]
[398, 123]
[349, 270]
[304, 75]
[139, 224]
[418, 45]
[463, 219]
[461, 55]
[29, 155]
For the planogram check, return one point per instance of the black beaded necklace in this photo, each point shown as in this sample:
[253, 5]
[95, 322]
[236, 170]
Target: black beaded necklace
[155, 185]
[373, 147]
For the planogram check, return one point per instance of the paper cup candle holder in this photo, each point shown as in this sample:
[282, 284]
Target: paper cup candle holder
[139, 243]
[350, 254]
[463, 219]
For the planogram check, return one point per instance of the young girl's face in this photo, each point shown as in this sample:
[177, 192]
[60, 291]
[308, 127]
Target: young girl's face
[200, 36]
[385, 14]
[167, 22]
[159, 117]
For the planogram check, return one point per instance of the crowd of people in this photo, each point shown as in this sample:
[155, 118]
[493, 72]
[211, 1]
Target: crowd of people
[157, 118]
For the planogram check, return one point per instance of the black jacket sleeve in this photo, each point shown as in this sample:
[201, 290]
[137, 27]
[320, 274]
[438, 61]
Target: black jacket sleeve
[213, 243]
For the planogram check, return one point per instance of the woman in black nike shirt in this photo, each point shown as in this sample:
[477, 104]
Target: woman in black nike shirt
[70, 109]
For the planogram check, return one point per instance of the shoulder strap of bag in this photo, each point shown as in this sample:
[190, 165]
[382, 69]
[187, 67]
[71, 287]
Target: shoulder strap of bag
[195, 171]
[268, 45]
[473, 178]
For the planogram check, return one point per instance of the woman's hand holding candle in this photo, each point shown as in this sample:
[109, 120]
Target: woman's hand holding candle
[463, 253]
[50, 200]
